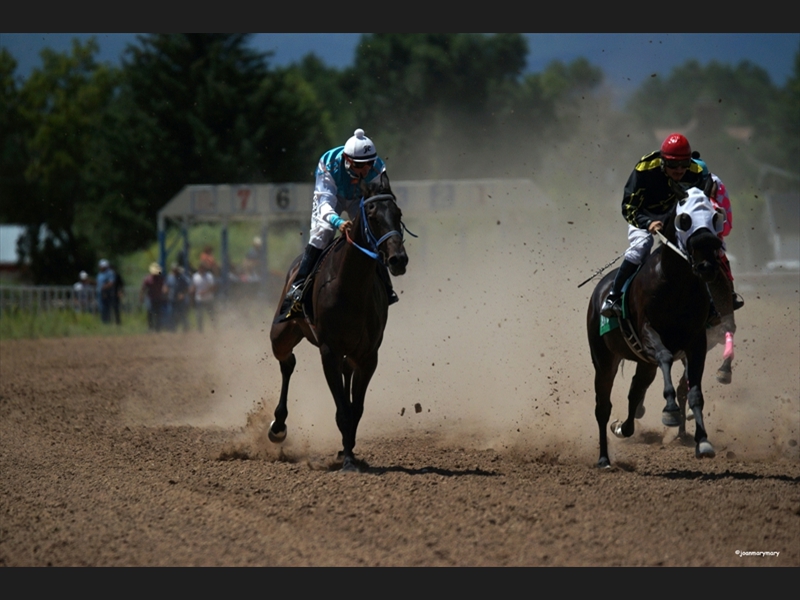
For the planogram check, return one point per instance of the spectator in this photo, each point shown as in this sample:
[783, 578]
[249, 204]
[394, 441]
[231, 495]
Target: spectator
[154, 294]
[84, 289]
[253, 261]
[204, 287]
[178, 298]
[207, 257]
[118, 297]
[106, 278]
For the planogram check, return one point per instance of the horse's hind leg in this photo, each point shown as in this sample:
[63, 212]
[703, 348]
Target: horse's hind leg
[725, 371]
[604, 373]
[644, 376]
[277, 429]
[284, 337]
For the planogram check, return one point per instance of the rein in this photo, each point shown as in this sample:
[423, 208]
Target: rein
[672, 246]
[373, 241]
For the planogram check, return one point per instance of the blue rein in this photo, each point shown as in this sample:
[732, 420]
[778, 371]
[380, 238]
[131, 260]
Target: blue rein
[373, 241]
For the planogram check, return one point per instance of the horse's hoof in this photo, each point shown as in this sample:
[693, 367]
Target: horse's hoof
[671, 418]
[705, 450]
[276, 437]
[603, 463]
[616, 428]
[724, 376]
[349, 466]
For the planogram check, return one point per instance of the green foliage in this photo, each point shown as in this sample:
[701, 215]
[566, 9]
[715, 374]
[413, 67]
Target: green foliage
[788, 121]
[426, 95]
[89, 153]
[53, 118]
[32, 324]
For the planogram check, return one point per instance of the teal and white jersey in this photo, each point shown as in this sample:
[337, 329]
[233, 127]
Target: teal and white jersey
[336, 191]
[335, 182]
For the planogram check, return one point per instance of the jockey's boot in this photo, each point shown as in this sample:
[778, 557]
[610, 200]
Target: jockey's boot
[738, 301]
[383, 273]
[291, 302]
[612, 307]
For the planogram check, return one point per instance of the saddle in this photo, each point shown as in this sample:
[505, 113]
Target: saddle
[608, 324]
[304, 306]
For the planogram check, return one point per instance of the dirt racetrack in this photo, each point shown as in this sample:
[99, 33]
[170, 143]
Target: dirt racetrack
[478, 435]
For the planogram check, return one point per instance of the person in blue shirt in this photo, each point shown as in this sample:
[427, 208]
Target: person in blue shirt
[106, 289]
[338, 189]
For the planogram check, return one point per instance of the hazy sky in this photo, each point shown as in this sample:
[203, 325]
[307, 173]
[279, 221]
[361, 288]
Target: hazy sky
[627, 59]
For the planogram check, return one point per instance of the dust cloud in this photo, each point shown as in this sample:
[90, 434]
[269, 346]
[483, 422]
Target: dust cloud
[489, 338]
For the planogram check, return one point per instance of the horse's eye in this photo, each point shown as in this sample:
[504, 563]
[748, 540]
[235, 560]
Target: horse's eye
[684, 222]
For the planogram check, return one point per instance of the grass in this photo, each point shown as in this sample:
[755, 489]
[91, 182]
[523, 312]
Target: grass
[33, 324]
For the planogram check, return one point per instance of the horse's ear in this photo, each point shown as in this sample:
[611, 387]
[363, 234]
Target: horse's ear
[710, 187]
[385, 182]
[364, 186]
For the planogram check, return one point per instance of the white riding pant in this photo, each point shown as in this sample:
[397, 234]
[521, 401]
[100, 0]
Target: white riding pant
[640, 242]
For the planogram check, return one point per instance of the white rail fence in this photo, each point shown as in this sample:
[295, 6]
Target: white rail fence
[41, 298]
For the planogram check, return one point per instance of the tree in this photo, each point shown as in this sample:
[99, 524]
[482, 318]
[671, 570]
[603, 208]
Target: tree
[197, 109]
[58, 111]
[14, 131]
[788, 116]
[426, 96]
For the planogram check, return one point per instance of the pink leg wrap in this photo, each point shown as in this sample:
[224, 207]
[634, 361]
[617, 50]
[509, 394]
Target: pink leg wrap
[728, 346]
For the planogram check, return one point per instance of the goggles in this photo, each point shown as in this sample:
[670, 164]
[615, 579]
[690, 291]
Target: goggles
[361, 165]
[678, 164]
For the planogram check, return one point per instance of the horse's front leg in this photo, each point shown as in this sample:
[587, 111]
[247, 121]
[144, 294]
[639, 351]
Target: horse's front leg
[683, 392]
[671, 415]
[347, 376]
[284, 337]
[336, 374]
[277, 429]
[362, 375]
[694, 377]
[644, 376]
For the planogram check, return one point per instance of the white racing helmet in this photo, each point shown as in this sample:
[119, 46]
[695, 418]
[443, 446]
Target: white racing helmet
[360, 148]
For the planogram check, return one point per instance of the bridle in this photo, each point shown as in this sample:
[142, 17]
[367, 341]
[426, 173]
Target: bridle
[373, 241]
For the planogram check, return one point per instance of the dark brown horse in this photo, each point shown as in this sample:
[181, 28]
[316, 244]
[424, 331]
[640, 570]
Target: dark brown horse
[346, 312]
[666, 309]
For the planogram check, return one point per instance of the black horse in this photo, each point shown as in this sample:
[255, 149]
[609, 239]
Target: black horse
[666, 310]
[346, 312]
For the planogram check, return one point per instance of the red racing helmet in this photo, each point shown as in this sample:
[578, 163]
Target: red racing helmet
[676, 147]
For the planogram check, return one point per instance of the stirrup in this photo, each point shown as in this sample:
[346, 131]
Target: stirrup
[611, 307]
[291, 306]
[295, 292]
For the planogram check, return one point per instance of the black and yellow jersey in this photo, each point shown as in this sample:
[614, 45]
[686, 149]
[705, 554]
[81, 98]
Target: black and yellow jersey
[648, 193]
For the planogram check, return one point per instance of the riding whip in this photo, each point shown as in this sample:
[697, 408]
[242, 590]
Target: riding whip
[601, 269]
[671, 246]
